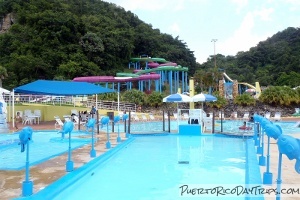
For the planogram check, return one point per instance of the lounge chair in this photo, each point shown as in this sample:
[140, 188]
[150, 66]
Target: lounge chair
[77, 122]
[67, 118]
[297, 112]
[277, 116]
[144, 118]
[58, 123]
[151, 116]
[207, 125]
[135, 117]
[175, 116]
[268, 115]
[233, 115]
[246, 116]
[166, 116]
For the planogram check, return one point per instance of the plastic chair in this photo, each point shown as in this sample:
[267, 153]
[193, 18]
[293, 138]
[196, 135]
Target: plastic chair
[58, 123]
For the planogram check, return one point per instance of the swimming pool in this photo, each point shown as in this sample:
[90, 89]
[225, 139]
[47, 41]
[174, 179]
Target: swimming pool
[155, 167]
[44, 145]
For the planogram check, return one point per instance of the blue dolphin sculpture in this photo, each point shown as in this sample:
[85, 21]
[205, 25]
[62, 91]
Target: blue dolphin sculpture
[104, 120]
[67, 128]
[273, 131]
[125, 117]
[25, 135]
[91, 123]
[290, 146]
[116, 119]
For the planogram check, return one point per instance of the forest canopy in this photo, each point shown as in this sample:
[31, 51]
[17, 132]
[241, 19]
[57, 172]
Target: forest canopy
[60, 40]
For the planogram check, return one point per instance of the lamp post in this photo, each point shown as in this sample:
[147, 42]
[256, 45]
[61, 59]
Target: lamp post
[214, 71]
[214, 41]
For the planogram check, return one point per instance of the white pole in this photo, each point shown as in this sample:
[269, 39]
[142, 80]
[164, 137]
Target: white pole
[96, 101]
[13, 108]
[177, 119]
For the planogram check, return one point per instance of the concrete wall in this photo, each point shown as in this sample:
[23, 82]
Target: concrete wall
[48, 111]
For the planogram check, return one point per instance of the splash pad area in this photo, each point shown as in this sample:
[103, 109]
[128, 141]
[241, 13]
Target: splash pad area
[184, 148]
[44, 146]
[157, 166]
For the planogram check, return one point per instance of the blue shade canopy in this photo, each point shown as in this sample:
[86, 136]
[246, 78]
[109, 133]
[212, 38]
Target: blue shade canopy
[62, 88]
[177, 98]
[203, 98]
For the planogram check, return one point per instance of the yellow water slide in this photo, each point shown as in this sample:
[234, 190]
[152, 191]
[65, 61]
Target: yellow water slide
[256, 87]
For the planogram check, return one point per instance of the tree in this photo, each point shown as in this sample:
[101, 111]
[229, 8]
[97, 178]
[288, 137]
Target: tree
[155, 99]
[3, 74]
[244, 100]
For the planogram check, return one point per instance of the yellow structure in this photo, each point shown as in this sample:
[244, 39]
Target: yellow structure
[192, 92]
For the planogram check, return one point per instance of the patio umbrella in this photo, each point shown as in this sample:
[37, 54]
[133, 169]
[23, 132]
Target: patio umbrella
[177, 98]
[203, 98]
[250, 90]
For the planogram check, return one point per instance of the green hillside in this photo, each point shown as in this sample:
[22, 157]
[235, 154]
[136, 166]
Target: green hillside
[275, 61]
[58, 39]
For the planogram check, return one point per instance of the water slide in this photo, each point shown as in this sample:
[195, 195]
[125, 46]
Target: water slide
[138, 75]
[256, 87]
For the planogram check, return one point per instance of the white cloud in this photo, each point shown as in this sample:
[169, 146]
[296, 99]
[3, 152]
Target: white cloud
[240, 4]
[264, 14]
[174, 28]
[242, 39]
[295, 4]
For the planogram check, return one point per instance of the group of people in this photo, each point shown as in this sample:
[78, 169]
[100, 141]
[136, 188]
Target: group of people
[18, 117]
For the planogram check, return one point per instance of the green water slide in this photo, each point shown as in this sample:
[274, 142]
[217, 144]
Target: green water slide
[162, 68]
[148, 59]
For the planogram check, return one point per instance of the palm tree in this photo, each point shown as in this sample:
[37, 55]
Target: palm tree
[3, 74]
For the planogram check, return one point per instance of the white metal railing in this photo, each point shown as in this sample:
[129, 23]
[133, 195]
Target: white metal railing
[83, 101]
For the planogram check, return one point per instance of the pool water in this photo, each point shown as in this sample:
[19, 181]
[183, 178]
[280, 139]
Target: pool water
[44, 145]
[154, 167]
[227, 125]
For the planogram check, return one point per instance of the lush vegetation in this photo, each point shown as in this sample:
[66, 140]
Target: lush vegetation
[58, 39]
[274, 62]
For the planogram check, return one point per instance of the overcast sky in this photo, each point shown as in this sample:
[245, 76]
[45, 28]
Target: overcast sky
[237, 25]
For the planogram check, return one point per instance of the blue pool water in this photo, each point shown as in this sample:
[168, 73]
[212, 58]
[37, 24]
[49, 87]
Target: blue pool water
[154, 167]
[44, 145]
[228, 126]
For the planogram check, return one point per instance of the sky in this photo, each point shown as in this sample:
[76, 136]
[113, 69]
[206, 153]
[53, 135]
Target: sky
[234, 25]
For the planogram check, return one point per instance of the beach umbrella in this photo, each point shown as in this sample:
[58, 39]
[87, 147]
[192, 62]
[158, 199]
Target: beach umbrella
[177, 98]
[250, 90]
[203, 98]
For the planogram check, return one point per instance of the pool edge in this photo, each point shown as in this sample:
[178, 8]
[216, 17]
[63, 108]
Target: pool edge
[70, 178]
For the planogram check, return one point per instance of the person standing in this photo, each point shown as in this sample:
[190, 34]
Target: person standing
[18, 119]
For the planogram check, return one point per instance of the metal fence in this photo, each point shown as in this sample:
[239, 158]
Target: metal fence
[76, 101]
